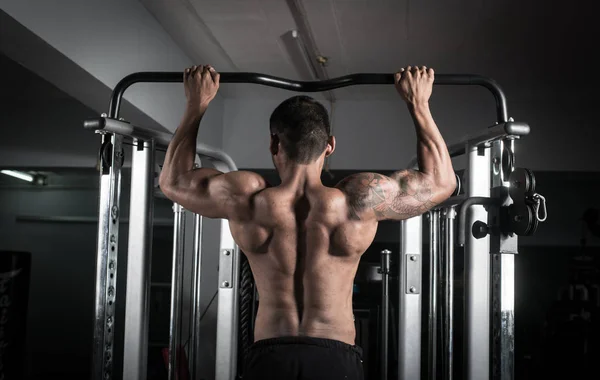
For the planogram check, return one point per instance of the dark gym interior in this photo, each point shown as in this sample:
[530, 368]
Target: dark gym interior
[50, 83]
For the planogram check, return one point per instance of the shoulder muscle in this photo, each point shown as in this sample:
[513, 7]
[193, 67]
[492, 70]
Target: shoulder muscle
[241, 183]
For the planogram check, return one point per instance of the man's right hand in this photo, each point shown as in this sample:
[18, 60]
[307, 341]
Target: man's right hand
[415, 84]
[201, 84]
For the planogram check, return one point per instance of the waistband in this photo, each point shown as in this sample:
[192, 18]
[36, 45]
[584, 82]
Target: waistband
[306, 340]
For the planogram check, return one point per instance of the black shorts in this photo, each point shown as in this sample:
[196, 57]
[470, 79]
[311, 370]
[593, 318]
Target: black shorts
[303, 358]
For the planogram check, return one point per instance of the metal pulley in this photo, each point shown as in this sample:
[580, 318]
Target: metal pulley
[521, 219]
[529, 207]
[522, 183]
[106, 155]
[458, 185]
[508, 163]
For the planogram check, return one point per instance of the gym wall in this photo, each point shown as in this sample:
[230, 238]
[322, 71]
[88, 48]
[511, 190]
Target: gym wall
[376, 134]
[61, 296]
[61, 301]
[41, 125]
[46, 97]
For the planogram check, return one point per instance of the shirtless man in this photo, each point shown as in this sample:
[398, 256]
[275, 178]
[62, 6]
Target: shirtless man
[304, 240]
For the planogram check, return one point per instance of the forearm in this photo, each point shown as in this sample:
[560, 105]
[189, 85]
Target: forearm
[432, 153]
[181, 153]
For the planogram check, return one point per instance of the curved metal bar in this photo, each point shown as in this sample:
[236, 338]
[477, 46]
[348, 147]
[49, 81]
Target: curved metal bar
[462, 214]
[315, 86]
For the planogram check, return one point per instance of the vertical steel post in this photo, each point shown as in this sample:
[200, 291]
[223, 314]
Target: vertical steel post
[503, 250]
[194, 350]
[176, 292]
[227, 320]
[106, 258]
[449, 216]
[477, 271]
[409, 309]
[139, 259]
[503, 322]
[228, 298]
[434, 236]
[385, 311]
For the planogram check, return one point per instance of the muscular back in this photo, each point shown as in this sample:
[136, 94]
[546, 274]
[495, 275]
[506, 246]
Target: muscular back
[304, 244]
[304, 250]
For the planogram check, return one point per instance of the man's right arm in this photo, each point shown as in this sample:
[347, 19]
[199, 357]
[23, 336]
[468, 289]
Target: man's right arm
[407, 193]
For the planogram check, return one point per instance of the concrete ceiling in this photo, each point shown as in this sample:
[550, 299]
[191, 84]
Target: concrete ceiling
[41, 125]
[519, 43]
[19, 84]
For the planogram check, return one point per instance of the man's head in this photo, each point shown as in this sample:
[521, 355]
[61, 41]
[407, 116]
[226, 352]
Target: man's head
[300, 127]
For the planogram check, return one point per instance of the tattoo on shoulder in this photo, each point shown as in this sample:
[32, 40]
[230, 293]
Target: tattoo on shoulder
[409, 196]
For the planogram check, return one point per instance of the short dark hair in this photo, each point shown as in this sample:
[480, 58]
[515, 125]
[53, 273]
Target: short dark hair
[302, 125]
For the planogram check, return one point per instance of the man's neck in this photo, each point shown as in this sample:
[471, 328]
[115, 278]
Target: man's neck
[301, 177]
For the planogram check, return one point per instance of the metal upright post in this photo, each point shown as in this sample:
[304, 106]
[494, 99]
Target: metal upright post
[139, 258]
[194, 350]
[503, 251]
[477, 271]
[106, 258]
[449, 216]
[228, 313]
[385, 311]
[442, 300]
[434, 235]
[409, 308]
[176, 292]
[227, 319]
[503, 322]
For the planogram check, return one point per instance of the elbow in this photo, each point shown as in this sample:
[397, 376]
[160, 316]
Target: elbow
[166, 183]
[447, 185]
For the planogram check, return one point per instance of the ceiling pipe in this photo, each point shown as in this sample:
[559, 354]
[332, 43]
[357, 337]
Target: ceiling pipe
[304, 37]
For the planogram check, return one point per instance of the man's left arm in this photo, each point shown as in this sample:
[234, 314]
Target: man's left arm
[205, 191]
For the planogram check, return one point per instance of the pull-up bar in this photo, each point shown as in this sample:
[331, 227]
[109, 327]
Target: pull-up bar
[316, 86]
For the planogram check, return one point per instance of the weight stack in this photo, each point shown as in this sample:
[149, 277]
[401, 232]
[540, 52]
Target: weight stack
[15, 272]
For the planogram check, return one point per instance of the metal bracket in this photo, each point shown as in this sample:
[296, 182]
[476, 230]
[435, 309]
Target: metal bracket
[412, 274]
[226, 269]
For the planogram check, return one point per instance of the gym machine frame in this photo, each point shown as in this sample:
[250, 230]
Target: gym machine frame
[499, 201]
[145, 141]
